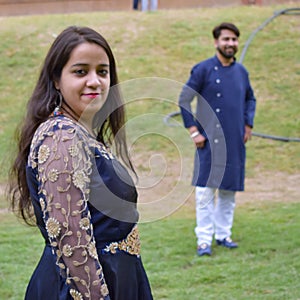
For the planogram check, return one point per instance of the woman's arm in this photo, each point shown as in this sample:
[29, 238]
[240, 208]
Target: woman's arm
[64, 166]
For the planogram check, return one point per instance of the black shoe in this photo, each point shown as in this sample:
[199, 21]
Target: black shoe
[227, 242]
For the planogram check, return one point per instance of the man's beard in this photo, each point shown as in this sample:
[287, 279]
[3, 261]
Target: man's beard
[227, 55]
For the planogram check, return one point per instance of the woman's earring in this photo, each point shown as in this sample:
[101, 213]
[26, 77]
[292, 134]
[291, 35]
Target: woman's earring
[57, 110]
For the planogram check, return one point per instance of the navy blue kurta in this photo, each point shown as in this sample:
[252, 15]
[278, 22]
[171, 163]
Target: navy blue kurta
[225, 104]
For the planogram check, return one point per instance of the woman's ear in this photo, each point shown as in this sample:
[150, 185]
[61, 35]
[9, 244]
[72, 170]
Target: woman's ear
[56, 85]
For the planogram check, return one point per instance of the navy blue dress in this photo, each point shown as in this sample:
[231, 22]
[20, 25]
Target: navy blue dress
[85, 206]
[225, 104]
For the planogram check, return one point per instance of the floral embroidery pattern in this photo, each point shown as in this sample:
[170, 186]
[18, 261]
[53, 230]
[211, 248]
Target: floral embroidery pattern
[84, 223]
[43, 154]
[73, 150]
[92, 250]
[53, 175]
[80, 179]
[104, 290]
[76, 295]
[67, 250]
[131, 244]
[53, 227]
[61, 153]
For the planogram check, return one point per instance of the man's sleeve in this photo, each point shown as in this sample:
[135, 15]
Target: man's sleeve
[250, 105]
[189, 91]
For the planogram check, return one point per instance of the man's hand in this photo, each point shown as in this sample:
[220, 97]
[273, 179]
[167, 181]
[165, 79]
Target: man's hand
[248, 133]
[197, 138]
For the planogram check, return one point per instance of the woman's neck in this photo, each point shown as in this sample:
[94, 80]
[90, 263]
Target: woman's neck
[84, 121]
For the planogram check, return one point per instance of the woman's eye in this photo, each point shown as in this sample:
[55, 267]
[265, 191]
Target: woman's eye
[103, 72]
[80, 72]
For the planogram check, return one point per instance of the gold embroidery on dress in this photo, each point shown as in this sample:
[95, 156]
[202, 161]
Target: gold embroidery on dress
[61, 154]
[131, 244]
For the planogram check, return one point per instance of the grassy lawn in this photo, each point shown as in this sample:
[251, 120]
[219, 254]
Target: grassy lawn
[266, 265]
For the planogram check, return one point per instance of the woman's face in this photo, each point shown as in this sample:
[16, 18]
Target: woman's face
[85, 79]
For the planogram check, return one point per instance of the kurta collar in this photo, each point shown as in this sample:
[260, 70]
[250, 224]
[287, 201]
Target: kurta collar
[219, 64]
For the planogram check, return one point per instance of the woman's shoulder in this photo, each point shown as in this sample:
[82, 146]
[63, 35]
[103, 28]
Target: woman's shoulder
[56, 129]
[56, 123]
[58, 135]
[61, 132]
[57, 126]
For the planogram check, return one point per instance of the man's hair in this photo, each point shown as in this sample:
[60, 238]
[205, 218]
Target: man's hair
[229, 26]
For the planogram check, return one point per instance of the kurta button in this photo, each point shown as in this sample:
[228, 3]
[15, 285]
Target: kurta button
[216, 141]
[216, 68]
[218, 95]
[218, 110]
[218, 125]
[218, 80]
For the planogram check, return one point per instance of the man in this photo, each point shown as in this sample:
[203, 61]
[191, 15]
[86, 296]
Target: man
[145, 5]
[136, 4]
[222, 125]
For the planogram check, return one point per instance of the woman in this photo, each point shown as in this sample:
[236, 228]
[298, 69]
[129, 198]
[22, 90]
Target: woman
[82, 199]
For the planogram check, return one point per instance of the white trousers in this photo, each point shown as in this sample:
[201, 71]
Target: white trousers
[214, 214]
[145, 4]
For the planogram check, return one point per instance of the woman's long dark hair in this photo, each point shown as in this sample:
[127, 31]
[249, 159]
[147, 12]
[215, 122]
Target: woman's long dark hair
[108, 122]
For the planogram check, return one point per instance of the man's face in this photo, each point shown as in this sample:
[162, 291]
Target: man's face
[227, 44]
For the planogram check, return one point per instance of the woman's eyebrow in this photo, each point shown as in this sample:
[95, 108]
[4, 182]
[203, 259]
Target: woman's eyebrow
[84, 64]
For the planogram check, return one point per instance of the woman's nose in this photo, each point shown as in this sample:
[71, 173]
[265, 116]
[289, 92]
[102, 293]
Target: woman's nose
[94, 80]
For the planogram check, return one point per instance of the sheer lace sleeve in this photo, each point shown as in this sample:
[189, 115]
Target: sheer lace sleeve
[64, 163]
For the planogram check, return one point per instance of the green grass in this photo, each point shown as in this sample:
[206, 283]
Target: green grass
[266, 266]
[20, 249]
[142, 49]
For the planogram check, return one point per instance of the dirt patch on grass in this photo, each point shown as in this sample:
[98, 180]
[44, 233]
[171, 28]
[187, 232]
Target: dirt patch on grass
[275, 187]
[263, 188]
[166, 192]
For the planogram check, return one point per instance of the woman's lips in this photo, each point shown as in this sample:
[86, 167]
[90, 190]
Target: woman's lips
[92, 95]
